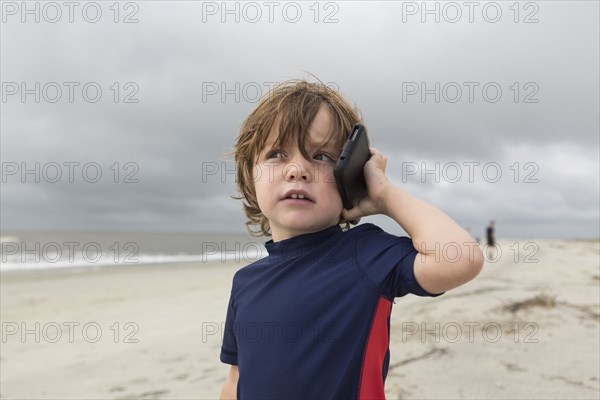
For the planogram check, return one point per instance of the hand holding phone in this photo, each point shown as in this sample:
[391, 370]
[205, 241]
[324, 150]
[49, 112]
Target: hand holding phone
[348, 171]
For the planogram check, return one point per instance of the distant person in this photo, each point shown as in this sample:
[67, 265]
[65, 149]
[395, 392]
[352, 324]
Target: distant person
[491, 238]
[320, 302]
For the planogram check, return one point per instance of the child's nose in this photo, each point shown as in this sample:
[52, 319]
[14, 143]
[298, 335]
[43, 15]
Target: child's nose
[298, 169]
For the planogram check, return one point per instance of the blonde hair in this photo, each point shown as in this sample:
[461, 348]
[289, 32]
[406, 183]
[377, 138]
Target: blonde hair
[292, 104]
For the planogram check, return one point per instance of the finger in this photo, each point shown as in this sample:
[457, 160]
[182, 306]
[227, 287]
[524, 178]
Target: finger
[376, 153]
[351, 214]
[378, 158]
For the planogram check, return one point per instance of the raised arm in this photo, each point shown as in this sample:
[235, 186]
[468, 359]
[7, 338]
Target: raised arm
[448, 255]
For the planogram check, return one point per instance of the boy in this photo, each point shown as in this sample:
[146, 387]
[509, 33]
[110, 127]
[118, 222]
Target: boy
[311, 320]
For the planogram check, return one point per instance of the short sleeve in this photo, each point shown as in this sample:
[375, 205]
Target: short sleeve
[229, 346]
[388, 261]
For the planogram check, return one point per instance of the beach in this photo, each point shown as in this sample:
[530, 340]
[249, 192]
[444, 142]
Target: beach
[527, 327]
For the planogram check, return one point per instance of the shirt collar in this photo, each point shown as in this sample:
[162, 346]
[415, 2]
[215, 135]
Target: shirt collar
[301, 244]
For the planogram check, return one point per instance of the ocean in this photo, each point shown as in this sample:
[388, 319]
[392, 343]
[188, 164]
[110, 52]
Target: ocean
[42, 250]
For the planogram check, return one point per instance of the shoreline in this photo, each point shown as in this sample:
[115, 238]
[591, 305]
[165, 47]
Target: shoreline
[505, 244]
[77, 269]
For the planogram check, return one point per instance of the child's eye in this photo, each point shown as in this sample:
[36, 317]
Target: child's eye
[324, 157]
[274, 154]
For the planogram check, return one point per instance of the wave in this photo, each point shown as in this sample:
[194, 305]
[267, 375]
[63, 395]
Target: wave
[38, 261]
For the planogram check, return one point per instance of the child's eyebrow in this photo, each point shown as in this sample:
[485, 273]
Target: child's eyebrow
[329, 146]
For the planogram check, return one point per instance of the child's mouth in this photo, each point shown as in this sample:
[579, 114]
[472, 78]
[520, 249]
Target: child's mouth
[297, 199]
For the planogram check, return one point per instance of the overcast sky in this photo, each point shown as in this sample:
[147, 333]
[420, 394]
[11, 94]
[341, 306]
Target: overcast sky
[517, 116]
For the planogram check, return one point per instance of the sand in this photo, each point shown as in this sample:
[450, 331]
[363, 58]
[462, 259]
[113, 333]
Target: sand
[519, 330]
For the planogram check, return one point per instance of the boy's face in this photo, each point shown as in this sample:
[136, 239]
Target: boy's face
[283, 173]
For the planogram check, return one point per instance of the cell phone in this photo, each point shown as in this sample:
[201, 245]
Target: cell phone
[348, 171]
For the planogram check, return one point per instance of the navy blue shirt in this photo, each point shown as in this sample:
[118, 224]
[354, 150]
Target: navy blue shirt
[312, 319]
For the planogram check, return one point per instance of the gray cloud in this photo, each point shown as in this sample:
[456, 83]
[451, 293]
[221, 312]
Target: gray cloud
[177, 130]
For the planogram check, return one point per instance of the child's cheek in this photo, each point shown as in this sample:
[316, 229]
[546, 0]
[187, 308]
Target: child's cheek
[326, 174]
[255, 174]
[260, 172]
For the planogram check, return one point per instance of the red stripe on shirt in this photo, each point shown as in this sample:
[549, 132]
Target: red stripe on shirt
[371, 378]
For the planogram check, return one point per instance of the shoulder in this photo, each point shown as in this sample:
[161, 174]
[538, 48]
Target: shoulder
[373, 246]
[375, 235]
[364, 230]
[248, 272]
